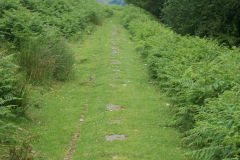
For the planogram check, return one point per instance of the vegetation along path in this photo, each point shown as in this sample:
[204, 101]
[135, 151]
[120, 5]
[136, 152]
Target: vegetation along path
[110, 110]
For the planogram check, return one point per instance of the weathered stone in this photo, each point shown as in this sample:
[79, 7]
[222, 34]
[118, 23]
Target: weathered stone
[113, 107]
[114, 48]
[115, 51]
[115, 66]
[115, 63]
[115, 137]
[116, 121]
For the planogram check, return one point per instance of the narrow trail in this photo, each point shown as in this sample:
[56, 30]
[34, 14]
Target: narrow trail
[76, 136]
[126, 115]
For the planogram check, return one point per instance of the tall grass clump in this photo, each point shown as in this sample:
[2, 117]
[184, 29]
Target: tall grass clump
[202, 79]
[45, 58]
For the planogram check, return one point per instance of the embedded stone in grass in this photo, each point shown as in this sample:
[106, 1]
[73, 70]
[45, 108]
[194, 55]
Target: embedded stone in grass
[116, 70]
[115, 52]
[113, 107]
[114, 32]
[114, 48]
[115, 66]
[116, 121]
[114, 79]
[111, 85]
[124, 85]
[115, 137]
[115, 55]
[115, 63]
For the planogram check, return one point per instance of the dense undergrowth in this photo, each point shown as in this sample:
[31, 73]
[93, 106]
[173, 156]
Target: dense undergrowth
[201, 77]
[218, 19]
[34, 36]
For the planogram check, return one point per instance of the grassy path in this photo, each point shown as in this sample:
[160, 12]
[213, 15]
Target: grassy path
[112, 86]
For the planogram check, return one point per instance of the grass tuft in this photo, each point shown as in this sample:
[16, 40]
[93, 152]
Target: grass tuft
[45, 58]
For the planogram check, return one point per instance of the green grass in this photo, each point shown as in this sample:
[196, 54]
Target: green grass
[144, 117]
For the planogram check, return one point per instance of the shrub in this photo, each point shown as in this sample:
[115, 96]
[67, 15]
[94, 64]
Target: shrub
[201, 77]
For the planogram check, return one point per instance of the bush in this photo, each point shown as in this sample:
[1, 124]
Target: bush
[201, 77]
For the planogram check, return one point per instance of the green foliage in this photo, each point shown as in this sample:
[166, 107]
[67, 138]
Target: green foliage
[153, 6]
[11, 88]
[38, 32]
[201, 77]
[28, 23]
[216, 134]
[218, 18]
[23, 18]
[12, 95]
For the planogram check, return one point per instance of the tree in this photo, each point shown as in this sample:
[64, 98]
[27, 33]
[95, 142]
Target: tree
[215, 18]
[154, 6]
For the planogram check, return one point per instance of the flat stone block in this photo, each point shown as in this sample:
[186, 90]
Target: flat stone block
[113, 107]
[115, 137]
